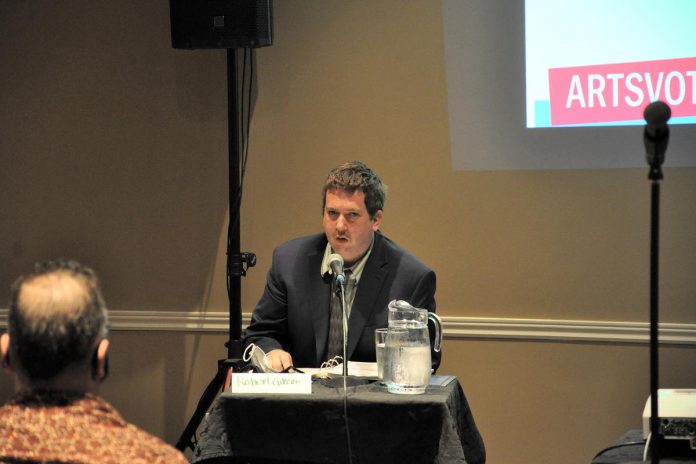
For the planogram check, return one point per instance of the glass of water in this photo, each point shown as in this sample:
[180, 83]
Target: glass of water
[380, 341]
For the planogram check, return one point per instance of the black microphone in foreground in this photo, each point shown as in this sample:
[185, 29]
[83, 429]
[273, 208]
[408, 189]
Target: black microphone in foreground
[336, 266]
[656, 136]
[656, 133]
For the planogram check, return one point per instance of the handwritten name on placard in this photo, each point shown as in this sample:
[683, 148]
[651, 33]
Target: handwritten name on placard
[271, 383]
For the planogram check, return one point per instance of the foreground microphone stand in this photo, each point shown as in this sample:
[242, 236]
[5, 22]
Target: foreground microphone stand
[342, 290]
[344, 380]
[656, 136]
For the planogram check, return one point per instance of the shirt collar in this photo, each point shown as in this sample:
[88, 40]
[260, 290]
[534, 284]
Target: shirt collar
[356, 269]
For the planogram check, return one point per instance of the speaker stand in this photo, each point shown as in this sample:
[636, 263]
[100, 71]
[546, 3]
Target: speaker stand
[237, 263]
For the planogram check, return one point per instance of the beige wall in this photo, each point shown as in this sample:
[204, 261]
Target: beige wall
[113, 150]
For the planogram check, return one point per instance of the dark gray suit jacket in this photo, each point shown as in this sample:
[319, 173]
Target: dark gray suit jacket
[293, 313]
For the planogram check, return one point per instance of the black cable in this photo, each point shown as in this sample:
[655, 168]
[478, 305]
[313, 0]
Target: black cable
[244, 132]
[620, 445]
[244, 135]
[252, 75]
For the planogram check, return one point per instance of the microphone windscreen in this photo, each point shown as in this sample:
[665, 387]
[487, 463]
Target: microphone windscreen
[335, 258]
[657, 113]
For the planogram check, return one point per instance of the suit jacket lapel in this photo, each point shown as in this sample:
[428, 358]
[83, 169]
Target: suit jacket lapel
[366, 298]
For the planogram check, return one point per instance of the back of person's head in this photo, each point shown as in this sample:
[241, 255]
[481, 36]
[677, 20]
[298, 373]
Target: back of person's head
[56, 317]
[355, 175]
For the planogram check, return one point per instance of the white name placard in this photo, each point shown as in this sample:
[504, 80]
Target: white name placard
[271, 383]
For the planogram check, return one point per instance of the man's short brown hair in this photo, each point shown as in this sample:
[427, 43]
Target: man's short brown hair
[356, 175]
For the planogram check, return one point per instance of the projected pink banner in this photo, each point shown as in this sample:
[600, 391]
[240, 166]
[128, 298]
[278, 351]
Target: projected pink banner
[620, 91]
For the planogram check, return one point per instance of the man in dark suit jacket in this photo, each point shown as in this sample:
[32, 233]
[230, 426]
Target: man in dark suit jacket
[291, 321]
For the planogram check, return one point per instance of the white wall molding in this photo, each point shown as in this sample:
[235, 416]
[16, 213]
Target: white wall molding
[454, 327]
[567, 330]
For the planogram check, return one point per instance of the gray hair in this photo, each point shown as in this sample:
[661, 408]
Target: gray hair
[57, 314]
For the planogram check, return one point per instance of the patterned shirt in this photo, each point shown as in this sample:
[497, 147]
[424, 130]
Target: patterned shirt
[77, 428]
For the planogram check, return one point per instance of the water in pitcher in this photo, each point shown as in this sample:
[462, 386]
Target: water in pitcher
[407, 369]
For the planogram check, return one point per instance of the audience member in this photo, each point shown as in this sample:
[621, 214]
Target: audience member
[56, 348]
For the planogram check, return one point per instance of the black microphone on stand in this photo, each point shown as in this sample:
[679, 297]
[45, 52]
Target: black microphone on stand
[656, 135]
[336, 266]
[335, 263]
[655, 138]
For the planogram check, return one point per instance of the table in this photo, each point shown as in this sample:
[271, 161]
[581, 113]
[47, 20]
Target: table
[629, 448]
[436, 427]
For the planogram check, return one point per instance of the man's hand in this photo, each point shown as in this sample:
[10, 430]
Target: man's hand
[278, 360]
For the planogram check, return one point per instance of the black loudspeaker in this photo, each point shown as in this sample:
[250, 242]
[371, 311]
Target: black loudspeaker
[221, 23]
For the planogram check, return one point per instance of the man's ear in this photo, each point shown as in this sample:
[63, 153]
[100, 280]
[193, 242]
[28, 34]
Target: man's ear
[377, 220]
[5, 351]
[100, 362]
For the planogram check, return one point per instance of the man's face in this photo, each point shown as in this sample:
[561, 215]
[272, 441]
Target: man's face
[347, 224]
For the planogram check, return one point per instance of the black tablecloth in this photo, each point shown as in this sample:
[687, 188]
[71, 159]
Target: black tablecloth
[630, 447]
[436, 427]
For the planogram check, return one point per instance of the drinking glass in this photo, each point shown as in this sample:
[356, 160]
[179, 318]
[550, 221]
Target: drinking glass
[380, 340]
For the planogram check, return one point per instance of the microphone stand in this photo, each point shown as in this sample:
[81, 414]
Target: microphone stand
[655, 176]
[344, 380]
[342, 291]
[656, 136]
